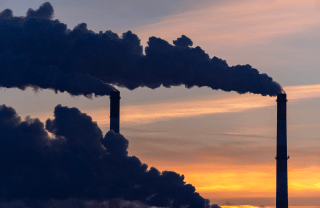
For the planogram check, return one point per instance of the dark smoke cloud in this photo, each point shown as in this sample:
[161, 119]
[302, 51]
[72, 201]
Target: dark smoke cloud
[44, 11]
[214, 206]
[15, 72]
[78, 203]
[120, 60]
[79, 163]
[70, 203]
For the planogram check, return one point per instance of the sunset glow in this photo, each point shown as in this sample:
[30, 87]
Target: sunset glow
[140, 114]
[224, 178]
[196, 106]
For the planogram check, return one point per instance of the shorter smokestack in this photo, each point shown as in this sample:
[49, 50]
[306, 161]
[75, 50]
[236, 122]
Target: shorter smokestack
[115, 111]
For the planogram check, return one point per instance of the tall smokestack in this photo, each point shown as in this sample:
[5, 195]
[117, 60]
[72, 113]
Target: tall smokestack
[115, 111]
[282, 174]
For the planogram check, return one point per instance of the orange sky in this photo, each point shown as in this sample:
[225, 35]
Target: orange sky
[219, 175]
[203, 105]
[225, 178]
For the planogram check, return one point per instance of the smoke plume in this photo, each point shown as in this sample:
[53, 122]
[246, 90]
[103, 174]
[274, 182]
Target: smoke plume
[76, 203]
[120, 60]
[79, 163]
[15, 72]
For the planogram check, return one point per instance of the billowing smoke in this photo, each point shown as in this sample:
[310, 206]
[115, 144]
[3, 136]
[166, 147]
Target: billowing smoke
[76, 203]
[120, 60]
[77, 162]
[15, 72]
[71, 203]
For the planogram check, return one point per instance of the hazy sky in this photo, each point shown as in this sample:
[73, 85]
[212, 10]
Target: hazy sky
[224, 143]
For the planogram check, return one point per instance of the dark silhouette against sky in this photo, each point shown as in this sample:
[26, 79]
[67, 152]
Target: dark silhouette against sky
[15, 72]
[79, 162]
[118, 60]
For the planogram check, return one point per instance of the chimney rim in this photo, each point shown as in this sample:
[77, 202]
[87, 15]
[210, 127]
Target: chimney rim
[115, 95]
[282, 97]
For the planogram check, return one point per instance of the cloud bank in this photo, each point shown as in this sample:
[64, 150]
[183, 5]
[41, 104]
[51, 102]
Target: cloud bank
[120, 60]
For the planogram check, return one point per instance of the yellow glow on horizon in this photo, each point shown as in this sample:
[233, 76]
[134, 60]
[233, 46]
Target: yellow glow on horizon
[248, 181]
[261, 183]
[306, 179]
[244, 182]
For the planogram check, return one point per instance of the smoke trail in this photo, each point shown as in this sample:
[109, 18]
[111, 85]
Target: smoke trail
[120, 60]
[76, 203]
[79, 163]
[15, 72]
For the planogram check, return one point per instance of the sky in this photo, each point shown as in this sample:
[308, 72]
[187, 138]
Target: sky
[223, 142]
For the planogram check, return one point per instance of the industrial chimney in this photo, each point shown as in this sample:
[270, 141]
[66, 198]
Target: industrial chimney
[115, 126]
[282, 175]
[115, 111]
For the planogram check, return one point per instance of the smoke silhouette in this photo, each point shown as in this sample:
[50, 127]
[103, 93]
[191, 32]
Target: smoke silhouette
[70, 203]
[79, 163]
[76, 203]
[15, 72]
[120, 60]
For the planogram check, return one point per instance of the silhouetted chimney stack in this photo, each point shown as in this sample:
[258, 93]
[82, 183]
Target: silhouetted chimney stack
[115, 126]
[115, 111]
[282, 173]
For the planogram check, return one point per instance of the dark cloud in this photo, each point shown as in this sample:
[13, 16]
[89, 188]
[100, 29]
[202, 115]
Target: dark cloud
[184, 42]
[44, 11]
[215, 206]
[120, 60]
[7, 13]
[71, 203]
[79, 163]
[16, 72]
